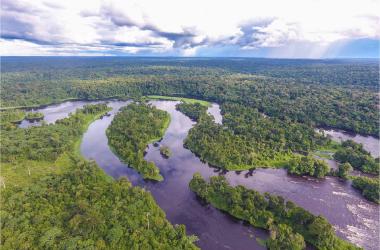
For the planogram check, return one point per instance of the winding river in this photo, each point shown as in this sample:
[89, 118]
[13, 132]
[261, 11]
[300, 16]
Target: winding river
[354, 218]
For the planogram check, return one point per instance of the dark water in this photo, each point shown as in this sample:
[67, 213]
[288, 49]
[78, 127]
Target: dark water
[215, 229]
[354, 218]
[55, 112]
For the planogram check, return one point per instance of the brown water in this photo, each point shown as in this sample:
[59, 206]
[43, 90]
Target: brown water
[354, 218]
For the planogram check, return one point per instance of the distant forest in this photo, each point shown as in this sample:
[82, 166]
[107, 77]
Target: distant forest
[333, 93]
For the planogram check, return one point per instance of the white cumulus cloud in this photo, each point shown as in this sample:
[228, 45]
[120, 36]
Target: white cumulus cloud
[52, 27]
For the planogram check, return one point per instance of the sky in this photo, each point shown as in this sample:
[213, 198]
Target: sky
[220, 28]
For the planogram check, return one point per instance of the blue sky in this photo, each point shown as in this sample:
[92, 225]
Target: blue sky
[247, 28]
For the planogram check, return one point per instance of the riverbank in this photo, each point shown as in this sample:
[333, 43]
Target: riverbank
[344, 207]
[132, 130]
[22, 172]
[182, 99]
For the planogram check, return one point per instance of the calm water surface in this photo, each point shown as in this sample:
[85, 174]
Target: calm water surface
[370, 143]
[55, 112]
[354, 218]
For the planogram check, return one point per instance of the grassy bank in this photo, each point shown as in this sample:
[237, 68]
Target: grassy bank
[22, 171]
[182, 99]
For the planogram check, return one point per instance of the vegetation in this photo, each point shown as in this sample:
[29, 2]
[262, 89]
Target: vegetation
[344, 170]
[132, 130]
[9, 118]
[31, 116]
[47, 142]
[359, 159]
[339, 94]
[53, 199]
[27, 154]
[308, 165]
[269, 212]
[181, 99]
[283, 238]
[193, 111]
[248, 139]
[370, 187]
[165, 151]
[83, 209]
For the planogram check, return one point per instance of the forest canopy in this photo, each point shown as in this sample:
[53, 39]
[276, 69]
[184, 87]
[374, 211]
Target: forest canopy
[131, 131]
[335, 93]
[249, 139]
[269, 212]
[83, 209]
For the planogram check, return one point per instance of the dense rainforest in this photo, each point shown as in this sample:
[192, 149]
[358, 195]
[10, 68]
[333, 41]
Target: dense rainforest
[249, 139]
[359, 159]
[289, 224]
[132, 130]
[313, 92]
[46, 142]
[193, 111]
[56, 200]
[10, 118]
[53, 199]
[83, 209]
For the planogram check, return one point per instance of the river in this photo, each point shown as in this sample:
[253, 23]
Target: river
[353, 217]
[370, 143]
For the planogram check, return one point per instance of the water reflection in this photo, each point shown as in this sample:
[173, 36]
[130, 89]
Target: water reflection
[214, 110]
[370, 143]
[353, 217]
[56, 112]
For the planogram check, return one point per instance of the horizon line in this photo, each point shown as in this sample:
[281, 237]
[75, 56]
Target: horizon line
[196, 57]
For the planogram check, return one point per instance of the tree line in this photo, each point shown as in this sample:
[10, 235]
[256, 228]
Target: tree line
[289, 224]
[307, 98]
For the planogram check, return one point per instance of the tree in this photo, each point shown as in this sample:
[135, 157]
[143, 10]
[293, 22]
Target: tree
[282, 237]
[344, 170]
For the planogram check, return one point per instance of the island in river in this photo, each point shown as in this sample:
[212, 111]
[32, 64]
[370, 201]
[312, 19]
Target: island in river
[283, 99]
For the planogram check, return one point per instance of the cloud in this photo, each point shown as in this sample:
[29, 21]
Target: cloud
[298, 28]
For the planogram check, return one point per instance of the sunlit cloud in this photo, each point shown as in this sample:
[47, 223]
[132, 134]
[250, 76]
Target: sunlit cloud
[293, 28]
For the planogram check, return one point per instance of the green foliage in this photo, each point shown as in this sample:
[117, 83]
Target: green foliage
[370, 187]
[359, 159]
[34, 116]
[339, 94]
[269, 212]
[193, 111]
[165, 151]
[68, 203]
[283, 238]
[218, 146]
[248, 139]
[83, 209]
[47, 142]
[181, 99]
[132, 129]
[344, 170]
[308, 165]
[29, 154]
[9, 118]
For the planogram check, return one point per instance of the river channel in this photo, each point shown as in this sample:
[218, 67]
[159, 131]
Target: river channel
[353, 217]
